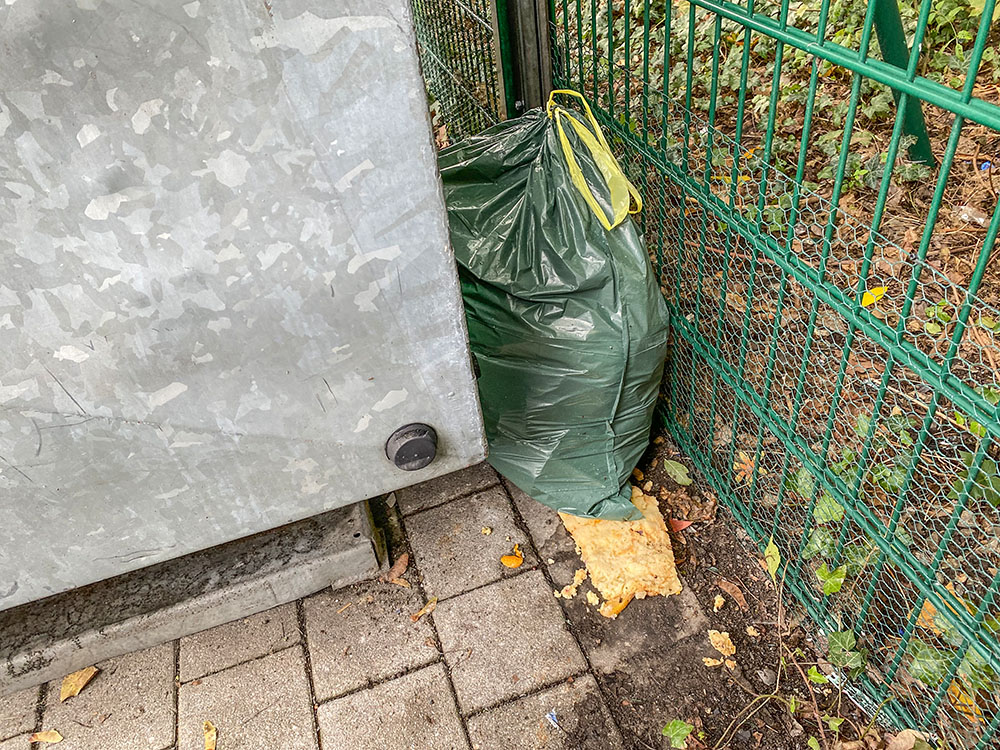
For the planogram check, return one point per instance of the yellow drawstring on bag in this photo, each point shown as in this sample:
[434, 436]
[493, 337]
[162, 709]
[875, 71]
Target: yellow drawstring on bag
[623, 192]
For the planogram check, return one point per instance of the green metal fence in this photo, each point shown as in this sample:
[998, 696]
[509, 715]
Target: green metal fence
[459, 43]
[835, 336]
[820, 206]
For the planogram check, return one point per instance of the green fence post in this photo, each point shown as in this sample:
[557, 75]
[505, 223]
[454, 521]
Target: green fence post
[505, 57]
[892, 42]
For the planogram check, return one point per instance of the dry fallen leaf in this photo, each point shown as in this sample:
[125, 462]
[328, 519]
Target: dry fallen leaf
[709, 662]
[730, 664]
[486, 531]
[734, 591]
[872, 296]
[514, 560]
[964, 703]
[905, 740]
[49, 736]
[721, 642]
[72, 684]
[637, 473]
[426, 609]
[744, 467]
[719, 603]
[593, 599]
[398, 567]
[400, 582]
[752, 631]
[679, 526]
[211, 735]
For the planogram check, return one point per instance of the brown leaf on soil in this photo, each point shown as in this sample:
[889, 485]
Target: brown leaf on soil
[700, 507]
[679, 526]
[734, 591]
[400, 582]
[49, 737]
[426, 609]
[211, 735]
[905, 740]
[398, 567]
[72, 684]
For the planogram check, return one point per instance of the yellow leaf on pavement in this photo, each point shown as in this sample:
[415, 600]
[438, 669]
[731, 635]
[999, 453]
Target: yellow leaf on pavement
[72, 684]
[426, 609]
[721, 642]
[211, 735]
[49, 737]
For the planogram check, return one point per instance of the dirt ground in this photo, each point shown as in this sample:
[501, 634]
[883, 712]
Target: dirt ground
[649, 660]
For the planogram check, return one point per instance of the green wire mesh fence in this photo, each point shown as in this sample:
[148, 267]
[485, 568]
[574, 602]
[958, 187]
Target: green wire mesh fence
[457, 46]
[820, 205]
[835, 332]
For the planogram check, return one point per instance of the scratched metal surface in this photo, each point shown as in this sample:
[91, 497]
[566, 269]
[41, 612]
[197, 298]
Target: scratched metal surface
[224, 276]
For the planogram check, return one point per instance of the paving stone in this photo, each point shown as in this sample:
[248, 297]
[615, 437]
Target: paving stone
[542, 522]
[259, 705]
[584, 722]
[505, 640]
[128, 705]
[413, 711]
[221, 647]
[442, 489]
[17, 712]
[363, 634]
[17, 743]
[453, 553]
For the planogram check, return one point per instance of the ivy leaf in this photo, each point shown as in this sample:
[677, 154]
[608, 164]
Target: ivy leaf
[833, 722]
[817, 677]
[927, 663]
[801, 483]
[980, 7]
[843, 654]
[821, 542]
[985, 486]
[772, 558]
[678, 472]
[813, 743]
[677, 732]
[856, 557]
[832, 580]
[827, 509]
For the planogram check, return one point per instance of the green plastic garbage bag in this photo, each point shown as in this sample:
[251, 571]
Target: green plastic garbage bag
[565, 315]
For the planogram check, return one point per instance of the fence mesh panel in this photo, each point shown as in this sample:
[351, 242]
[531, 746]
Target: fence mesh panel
[834, 323]
[457, 56]
[835, 364]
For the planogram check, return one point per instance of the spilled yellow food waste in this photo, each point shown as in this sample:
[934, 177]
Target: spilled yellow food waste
[626, 559]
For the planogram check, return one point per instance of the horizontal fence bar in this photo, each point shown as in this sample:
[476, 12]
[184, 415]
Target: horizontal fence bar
[932, 92]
